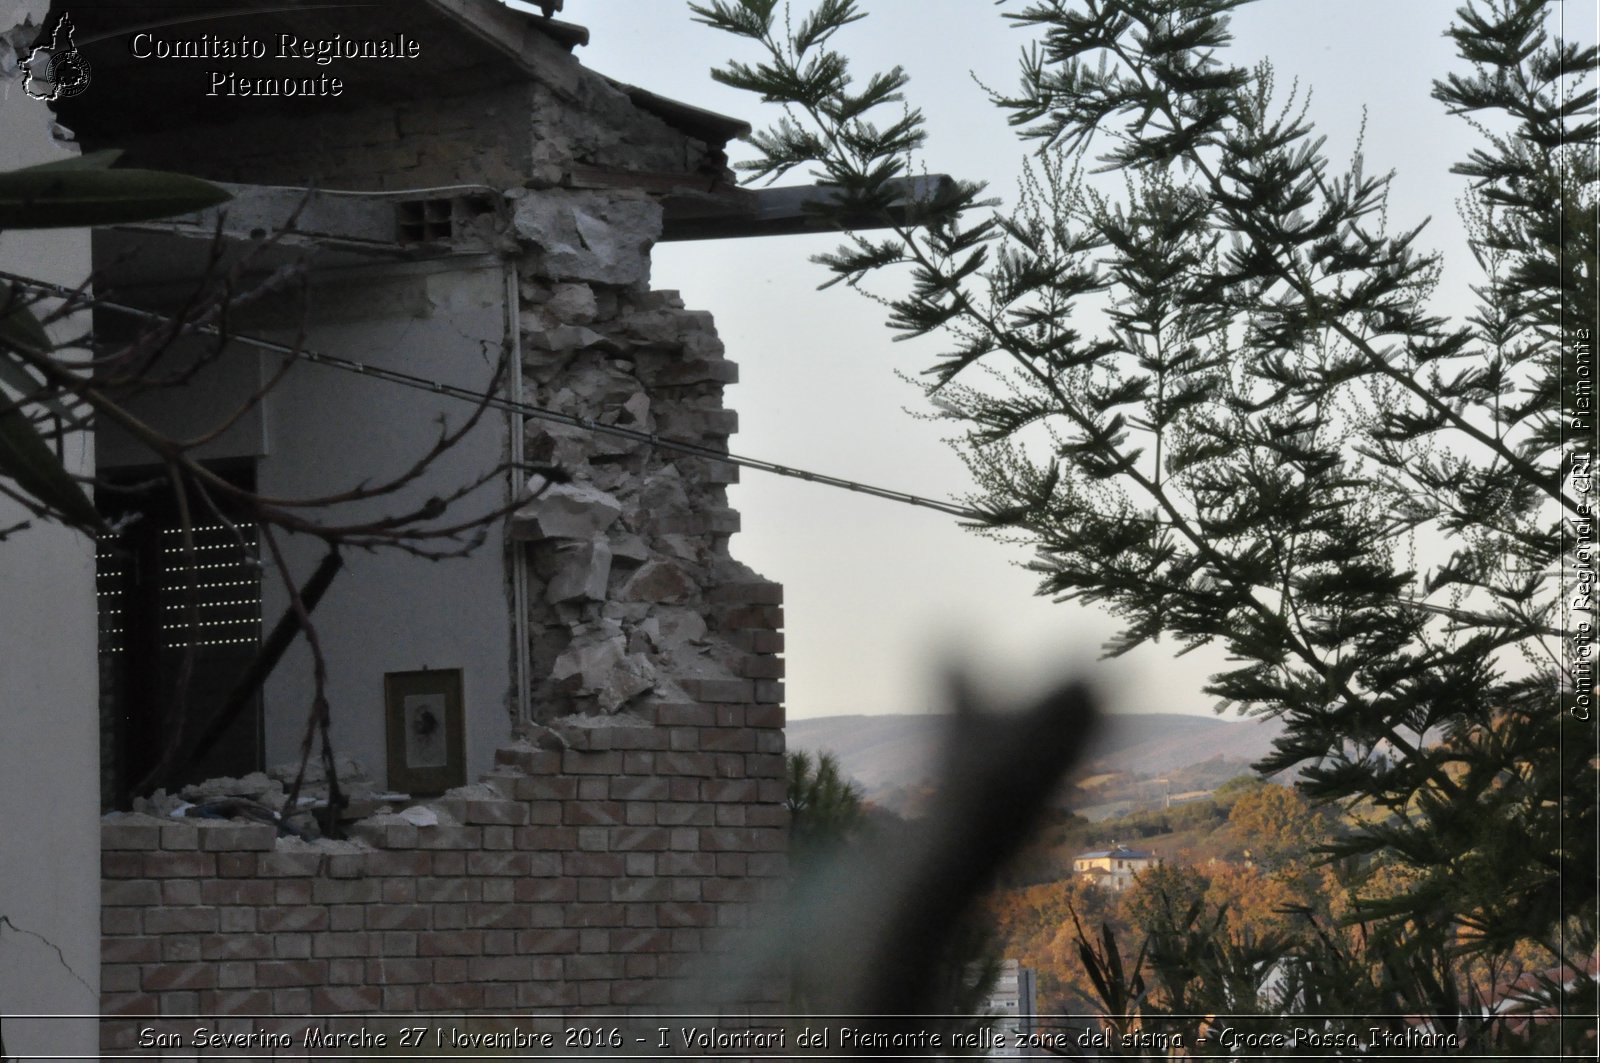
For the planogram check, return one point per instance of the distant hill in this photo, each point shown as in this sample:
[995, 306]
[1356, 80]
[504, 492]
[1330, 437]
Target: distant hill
[893, 757]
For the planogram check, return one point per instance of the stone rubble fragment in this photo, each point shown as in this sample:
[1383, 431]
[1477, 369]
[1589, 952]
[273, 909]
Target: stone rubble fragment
[626, 557]
[257, 786]
[566, 511]
[589, 236]
[572, 304]
[658, 581]
[585, 569]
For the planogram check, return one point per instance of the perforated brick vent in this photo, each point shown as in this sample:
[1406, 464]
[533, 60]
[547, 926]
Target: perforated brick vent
[421, 221]
[424, 220]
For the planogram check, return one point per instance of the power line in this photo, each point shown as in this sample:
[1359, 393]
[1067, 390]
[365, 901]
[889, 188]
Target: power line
[591, 425]
[528, 409]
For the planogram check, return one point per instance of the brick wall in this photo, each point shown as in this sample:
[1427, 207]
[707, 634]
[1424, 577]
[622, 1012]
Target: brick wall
[631, 833]
[482, 138]
[596, 879]
[500, 136]
[461, 111]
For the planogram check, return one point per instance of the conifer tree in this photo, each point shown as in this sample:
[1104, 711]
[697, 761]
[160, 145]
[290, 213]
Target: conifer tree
[1213, 394]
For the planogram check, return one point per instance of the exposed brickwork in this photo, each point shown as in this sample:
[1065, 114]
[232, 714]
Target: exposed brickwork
[500, 136]
[478, 138]
[618, 845]
[642, 817]
[594, 880]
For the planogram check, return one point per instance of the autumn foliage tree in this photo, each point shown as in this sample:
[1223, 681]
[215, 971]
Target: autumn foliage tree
[1278, 825]
[1037, 924]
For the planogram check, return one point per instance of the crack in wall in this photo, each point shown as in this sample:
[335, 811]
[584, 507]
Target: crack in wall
[5, 921]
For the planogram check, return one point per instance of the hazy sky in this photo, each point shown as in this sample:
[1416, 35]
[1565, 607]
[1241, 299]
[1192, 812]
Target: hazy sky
[880, 596]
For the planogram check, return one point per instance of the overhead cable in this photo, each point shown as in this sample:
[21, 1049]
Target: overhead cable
[528, 409]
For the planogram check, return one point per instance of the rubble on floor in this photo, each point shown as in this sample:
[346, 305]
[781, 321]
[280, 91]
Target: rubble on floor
[259, 798]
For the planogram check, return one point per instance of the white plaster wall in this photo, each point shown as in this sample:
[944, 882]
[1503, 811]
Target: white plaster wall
[49, 722]
[328, 429]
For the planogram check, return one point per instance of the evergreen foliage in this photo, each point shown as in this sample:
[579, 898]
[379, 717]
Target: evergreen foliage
[1199, 373]
[825, 807]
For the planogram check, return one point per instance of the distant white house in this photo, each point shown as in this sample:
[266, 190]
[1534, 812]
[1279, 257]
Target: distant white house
[1114, 868]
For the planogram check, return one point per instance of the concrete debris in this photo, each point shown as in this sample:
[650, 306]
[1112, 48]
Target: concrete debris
[623, 558]
[484, 790]
[592, 654]
[589, 236]
[584, 569]
[659, 581]
[565, 338]
[257, 786]
[566, 511]
[572, 304]
[226, 799]
[626, 613]
[634, 676]
[683, 547]
[635, 413]
[353, 776]
[419, 816]
[597, 665]
[553, 443]
[662, 498]
[233, 808]
[538, 736]
[676, 627]
[604, 446]
[159, 803]
[629, 549]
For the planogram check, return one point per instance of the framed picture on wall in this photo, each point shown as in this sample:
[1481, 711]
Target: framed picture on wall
[426, 735]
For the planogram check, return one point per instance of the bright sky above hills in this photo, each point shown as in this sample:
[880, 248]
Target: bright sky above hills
[880, 597]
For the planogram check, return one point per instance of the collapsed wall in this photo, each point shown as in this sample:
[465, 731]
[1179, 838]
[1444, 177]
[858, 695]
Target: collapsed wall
[593, 877]
[638, 818]
[633, 591]
[636, 813]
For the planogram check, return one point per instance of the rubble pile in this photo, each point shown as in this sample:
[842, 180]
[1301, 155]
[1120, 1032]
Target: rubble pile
[259, 798]
[625, 556]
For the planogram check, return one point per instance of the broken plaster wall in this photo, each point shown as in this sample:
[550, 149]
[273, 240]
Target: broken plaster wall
[640, 821]
[640, 816]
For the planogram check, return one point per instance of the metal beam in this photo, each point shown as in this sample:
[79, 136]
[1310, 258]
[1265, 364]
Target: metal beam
[793, 209]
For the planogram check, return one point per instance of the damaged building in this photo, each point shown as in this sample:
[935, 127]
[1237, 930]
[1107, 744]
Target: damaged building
[571, 737]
